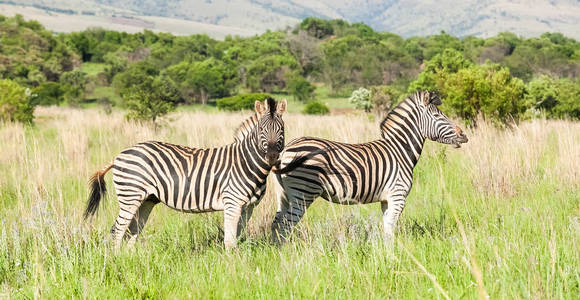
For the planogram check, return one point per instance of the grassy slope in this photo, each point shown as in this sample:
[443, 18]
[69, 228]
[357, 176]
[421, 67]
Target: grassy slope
[516, 195]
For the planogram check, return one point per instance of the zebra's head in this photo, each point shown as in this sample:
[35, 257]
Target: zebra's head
[270, 128]
[434, 123]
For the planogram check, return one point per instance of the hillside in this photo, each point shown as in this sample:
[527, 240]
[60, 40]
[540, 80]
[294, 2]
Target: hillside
[406, 18]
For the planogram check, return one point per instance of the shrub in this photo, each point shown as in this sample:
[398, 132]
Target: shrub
[301, 88]
[15, 102]
[316, 108]
[240, 102]
[556, 97]
[73, 84]
[361, 98]
[487, 90]
[384, 98]
[48, 93]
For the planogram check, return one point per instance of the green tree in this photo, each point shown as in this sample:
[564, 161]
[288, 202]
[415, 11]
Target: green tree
[317, 28]
[15, 102]
[471, 91]
[438, 68]
[48, 93]
[210, 78]
[116, 63]
[136, 74]
[155, 97]
[73, 84]
[301, 88]
[488, 91]
[558, 98]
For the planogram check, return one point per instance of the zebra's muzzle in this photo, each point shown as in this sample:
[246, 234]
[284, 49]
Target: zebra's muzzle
[272, 158]
[461, 139]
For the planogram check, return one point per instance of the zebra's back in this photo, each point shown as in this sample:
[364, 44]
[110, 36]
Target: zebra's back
[342, 173]
[186, 179]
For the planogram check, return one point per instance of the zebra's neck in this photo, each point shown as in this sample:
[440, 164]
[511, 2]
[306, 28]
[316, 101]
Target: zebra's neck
[401, 130]
[245, 129]
[252, 160]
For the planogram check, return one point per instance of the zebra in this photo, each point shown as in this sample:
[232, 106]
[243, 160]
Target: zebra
[231, 178]
[377, 171]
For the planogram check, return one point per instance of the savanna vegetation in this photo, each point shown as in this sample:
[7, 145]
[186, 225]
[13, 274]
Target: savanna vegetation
[499, 217]
[503, 78]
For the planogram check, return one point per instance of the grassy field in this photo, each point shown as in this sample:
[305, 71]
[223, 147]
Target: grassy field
[498, 217]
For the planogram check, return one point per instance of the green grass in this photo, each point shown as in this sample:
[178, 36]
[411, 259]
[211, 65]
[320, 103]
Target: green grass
[93, 69]
[523, 234]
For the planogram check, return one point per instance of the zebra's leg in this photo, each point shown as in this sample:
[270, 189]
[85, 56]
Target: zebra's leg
[296, 209]
[139, 221]
[128, 207]
[232, 215]
[246, 215]
[391, 212]
[283, 206]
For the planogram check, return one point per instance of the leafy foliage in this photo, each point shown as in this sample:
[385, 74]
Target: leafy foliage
[301, 88]
[472, 90]
[361, 98]
[241, 101]
[203, 80]
[48, 93]
[73, 85]
[556, 97]
[334, 53]
[155, 97]
[316, 108]
[15, 102]
[383, 97]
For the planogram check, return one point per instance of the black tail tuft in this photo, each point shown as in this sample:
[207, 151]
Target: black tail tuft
[98, 191]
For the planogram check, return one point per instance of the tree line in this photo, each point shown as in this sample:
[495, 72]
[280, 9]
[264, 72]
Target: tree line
[502, 78]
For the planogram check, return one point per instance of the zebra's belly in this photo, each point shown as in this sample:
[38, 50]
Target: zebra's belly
[192, 205]
[349, 200]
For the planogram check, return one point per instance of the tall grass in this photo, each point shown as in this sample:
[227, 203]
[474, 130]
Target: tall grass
[498, 217]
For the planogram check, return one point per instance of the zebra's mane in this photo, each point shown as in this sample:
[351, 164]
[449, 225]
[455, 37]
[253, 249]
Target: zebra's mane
[409, 101]
[245, 128]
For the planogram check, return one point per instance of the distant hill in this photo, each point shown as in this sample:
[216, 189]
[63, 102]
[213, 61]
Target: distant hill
[406, 18]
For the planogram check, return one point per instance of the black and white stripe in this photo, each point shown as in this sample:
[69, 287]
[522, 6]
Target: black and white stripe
[230, 178]
[378, 171]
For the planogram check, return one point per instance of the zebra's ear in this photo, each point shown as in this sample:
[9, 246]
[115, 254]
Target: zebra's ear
[432, 98]
[281, 106]
[259, 107]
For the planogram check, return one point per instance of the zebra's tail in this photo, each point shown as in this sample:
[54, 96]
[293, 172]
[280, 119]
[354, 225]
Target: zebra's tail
[298, 161]
[98, 191]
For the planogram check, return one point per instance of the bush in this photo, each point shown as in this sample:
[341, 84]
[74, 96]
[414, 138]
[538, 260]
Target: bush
[315, 108]
[301, 88]
[73, 84]
[15, 102]
[384, 98]
[556, 97]
[361, 98]
[48, 93]
[473, 91]
[240, 102]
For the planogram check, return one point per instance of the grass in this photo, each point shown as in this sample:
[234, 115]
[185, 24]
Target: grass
[93, 69]
[500, 216]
